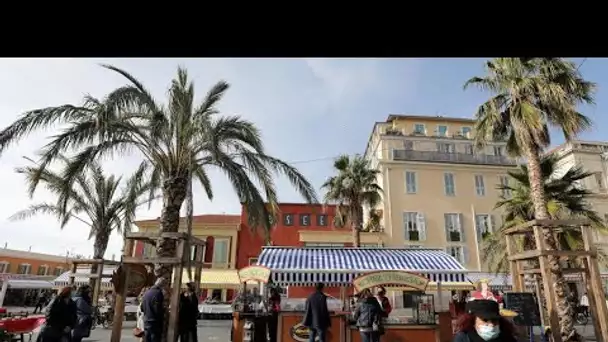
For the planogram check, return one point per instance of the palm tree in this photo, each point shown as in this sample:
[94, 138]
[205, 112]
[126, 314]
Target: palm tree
[102, 202]
[354, 186]
[564, 199]
[179, 141]
[528, 96]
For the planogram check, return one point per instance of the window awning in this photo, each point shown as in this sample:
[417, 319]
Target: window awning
[339, 266]
[29, 284]
[217, 279]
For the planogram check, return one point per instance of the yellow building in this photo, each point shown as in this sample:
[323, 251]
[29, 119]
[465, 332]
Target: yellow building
[438, 190]
[221, 235]
[592, 156]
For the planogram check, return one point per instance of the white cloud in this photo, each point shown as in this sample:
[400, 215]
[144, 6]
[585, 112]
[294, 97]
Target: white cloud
[307, 109]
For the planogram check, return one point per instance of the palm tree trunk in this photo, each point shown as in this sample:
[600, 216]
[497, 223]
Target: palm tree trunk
[189, 218]
[175, 190]
[356, 214]
[537, 192]
[99, 250]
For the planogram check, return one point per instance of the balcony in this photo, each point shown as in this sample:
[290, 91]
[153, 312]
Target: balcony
[457, 158]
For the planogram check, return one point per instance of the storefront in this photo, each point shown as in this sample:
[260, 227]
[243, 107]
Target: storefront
[353, 269]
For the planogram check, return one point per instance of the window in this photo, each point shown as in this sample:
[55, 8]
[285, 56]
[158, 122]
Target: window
[446, 148]
[504, 181]
[457, 252]
[419, 129]
[410, 182]
[220, 251]
[24, 269]
[43, 270]
[408, 145]
[322, 244]
[305, 220]
[599, 179]
[480, 187]
[499, 151]
[288, 219]
[468, 149]
[322, 220]
[466, 131]
[442, 130]
[4, 266]
[483, 226]
[414, 226]
[448, 182]
[253, 261]
[58, 270]
[414, 246]
[453, 227]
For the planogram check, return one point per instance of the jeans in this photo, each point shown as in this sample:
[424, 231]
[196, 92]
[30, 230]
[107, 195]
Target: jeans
[314, 332]
[370, 336]
[152, 335]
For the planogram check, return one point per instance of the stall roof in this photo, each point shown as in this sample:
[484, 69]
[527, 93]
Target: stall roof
[29, 284]
[334, 266]
[217, 279]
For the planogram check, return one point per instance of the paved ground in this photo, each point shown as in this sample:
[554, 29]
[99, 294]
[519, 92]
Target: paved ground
[217, 331]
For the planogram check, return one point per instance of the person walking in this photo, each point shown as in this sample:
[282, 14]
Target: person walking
[386, 307]
[584, 302]
[40, 302]
[154, 311]
[60, 318]
[188, 314]
[84, 314]
[316, 317]
[274, 307]
[369, 315]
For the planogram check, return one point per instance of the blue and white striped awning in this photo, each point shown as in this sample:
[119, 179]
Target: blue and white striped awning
[339, 266]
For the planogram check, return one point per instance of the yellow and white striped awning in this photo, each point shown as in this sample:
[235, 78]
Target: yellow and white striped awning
[217, 279]
[445, 286]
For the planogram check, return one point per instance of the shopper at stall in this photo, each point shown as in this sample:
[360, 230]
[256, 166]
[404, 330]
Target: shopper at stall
[584, 303]
[317, 317]
[369, 316]
[274, 307]
[188, 314]
[154, 311]
[60, 318]
[84, 314]
[482, 323]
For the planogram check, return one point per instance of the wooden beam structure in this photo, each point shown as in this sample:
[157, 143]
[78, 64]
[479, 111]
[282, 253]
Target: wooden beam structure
[587, 267]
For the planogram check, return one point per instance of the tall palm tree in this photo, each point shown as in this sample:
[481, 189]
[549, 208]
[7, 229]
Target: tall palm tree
[104, 203]
[354, 186]
[528, 96]
[564, 199]
[179, 141]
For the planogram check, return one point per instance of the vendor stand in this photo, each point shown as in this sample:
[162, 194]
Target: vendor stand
[250, 325]
[411, 269]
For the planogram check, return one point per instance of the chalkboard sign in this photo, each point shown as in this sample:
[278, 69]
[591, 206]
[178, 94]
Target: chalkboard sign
[526, 307]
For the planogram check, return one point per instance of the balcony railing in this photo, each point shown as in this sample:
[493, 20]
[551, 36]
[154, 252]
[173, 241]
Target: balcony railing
[459, 158]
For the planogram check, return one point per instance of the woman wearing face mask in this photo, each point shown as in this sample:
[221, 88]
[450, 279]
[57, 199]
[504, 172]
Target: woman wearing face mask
[482, 322]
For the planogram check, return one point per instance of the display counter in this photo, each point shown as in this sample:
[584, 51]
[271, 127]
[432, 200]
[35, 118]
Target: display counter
[290, 327]
[238, 326]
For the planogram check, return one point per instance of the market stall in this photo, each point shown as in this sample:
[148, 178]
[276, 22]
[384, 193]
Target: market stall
[250, 325]
[357, 268]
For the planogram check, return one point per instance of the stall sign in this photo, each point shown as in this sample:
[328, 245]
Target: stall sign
[300, 333]
[257, 273]
[384, 278]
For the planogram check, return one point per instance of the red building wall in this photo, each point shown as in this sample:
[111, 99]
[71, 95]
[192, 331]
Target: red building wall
[283, 234]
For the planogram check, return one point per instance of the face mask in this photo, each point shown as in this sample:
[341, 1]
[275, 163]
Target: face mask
[488, 332]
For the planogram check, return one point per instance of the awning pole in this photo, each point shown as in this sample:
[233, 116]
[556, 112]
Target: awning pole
[439, 299]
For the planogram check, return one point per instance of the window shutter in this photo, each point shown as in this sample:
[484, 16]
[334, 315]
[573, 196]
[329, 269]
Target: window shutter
[465, 257]
[405, 226]
[461, 227]
[421, 226]
[446, 223]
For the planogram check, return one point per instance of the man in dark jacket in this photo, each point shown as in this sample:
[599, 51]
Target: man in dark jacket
[154, 311]
[188, 314]
[317, 317]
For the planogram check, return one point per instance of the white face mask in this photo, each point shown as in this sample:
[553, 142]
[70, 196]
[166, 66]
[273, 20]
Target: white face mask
[488, 332]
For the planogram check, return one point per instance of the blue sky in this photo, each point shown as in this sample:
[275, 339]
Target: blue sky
[307, 109]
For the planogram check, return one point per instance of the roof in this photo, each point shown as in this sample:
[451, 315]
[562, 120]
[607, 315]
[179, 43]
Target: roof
[342, 265]
[441, 118]
[13, 253]
[209, 219]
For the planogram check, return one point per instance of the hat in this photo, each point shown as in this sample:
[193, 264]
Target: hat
[484, 309]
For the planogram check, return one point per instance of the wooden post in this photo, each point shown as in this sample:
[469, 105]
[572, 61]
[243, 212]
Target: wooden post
[121, 294]
[199, 256]
[548, 289]
[518, 285]
[595, 291]
[72, 274]
[541, 308]
[178, 270]
[98, 281]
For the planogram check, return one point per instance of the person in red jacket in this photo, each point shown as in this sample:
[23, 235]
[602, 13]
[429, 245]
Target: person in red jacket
[383, 300]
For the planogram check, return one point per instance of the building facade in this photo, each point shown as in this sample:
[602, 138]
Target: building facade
[299, 225]
[221, 234]
[591, 157]
[439, 191]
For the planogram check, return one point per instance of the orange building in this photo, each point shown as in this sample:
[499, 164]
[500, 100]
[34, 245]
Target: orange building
[23, 273]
